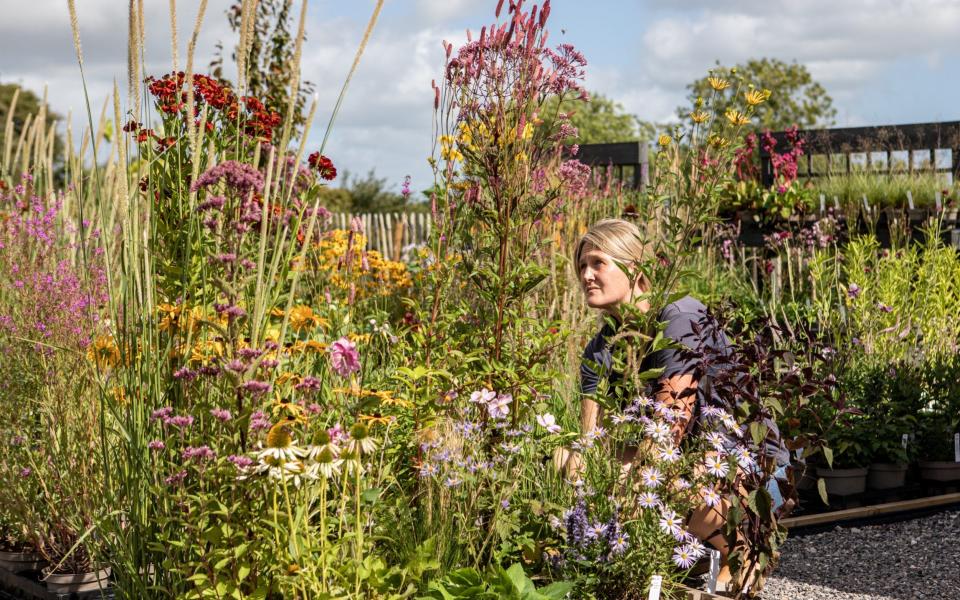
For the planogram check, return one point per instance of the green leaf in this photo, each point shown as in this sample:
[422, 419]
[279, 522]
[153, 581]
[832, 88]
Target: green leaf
[828, 454]
[822, 488]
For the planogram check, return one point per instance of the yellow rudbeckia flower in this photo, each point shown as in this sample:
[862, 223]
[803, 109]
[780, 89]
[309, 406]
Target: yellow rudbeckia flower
[699, 116]
[664, 140]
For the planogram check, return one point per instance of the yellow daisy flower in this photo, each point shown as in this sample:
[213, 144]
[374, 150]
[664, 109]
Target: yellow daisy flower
[736, 117]
[700, 116]
[755, 97]
[718, 83]
[664, 140]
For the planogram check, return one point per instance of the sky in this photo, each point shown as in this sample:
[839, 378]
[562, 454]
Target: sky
[882, 61]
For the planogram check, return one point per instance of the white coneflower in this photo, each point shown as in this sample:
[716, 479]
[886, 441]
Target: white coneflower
[352, 464]
[287, 471]
[323, 441]
[326, 463]
[280, 446]
[360, 441]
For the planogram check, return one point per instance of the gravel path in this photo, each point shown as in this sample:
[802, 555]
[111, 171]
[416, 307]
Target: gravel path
[912, 559]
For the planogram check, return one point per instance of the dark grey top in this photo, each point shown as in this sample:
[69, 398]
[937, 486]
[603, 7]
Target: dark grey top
[680, 318]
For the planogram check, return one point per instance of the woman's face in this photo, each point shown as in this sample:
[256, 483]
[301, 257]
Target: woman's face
[604, 284]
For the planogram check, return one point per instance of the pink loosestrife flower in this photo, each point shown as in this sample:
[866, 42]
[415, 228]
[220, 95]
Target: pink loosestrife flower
[344, 357]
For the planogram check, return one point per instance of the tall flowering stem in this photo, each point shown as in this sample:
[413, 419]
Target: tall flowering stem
[500, 162]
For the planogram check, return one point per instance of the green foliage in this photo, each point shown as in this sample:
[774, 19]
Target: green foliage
[494, 584]
[269, 68]
[28, 103]
[371, 194]
[796, 98]
[600, 120]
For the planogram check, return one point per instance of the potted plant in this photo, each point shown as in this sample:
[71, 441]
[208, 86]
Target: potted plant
[891, 451]
[940, 421]
[847, 455]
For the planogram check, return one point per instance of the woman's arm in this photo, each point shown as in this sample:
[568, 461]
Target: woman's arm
[589, 415]
[679, 392]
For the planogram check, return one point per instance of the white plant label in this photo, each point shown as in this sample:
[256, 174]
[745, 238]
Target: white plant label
[909, 199]
[956, 447]
[656, 582]
[866, 204]
[937, 201]
[714, 571]
[905, 440]
[823, 203]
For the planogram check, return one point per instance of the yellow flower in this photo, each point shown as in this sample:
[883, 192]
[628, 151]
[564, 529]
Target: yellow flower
[718, 141]
[527, 131]
[376, 419]
[277, 312]
[700, 116]
[755, 97]
[664, 140]
[120, 395]
[104, 352]
[736, 117]
[302, 318]
[718, 83]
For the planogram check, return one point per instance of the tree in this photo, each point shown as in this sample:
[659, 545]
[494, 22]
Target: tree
[269, 64]
[601, 120]
[370, 194]
[28, 103]
[796, 99]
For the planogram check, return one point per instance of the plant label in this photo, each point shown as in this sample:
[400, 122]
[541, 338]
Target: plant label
[905, 440]
[937, 201]
[823, 203]
[909, 199]
[866, 205]
[656, 582]
[956, 447]
[836, 203]
[714, 571]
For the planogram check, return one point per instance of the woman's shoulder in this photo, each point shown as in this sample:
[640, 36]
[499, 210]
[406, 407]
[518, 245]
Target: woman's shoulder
[688, 305]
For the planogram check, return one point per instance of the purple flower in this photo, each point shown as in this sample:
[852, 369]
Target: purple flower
[249, 353]
[161, 414]
[239, 176]
[576, 523]
[179, 421]
[215, 202]
[256, 387]
[620, 543]
[344, 357]
[259, 421]
[25, 472]
[221, 414]
[156, 445]
[240, 462]
[185, 373]
[853, 290]
[176, 478]
[308, 384]
[884, 308]
[198, 453]
[237, 366]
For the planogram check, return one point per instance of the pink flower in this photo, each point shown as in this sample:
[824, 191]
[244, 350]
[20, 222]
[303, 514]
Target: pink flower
[156, 445]
[344, 357]
[259, 421]
[198, 453]
[221, 414]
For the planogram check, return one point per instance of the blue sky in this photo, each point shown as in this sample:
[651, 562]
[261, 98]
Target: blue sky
[882, 61]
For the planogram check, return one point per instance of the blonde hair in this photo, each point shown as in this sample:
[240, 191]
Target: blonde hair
[620, 239]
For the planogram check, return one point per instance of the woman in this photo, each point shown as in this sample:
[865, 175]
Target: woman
[608, 244]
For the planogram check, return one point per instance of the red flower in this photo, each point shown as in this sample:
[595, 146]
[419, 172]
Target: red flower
[323, 165]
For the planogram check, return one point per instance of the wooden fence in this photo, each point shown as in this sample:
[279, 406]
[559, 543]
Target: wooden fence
[389, 233]
[926, 147]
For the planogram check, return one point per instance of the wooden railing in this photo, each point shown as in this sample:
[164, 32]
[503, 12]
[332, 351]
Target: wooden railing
[920, 147]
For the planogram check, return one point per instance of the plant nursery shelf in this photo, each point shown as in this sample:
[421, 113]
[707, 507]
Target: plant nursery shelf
[866, 512]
